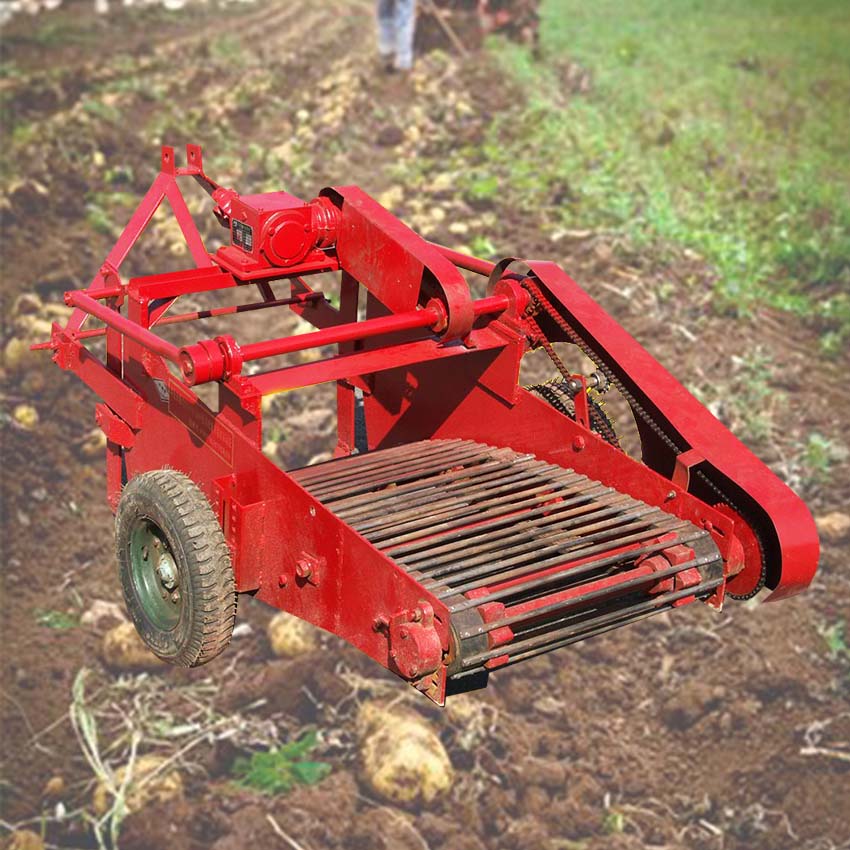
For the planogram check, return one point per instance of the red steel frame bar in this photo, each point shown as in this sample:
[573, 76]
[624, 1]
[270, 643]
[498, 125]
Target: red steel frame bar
[351, 367]
[124, 326]
[491, 304]
[350, 332]
[212, 312]
[465, 261]
[178, 318]
[105, 293]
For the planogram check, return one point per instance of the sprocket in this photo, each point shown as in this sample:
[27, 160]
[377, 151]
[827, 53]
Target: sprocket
[557, 393]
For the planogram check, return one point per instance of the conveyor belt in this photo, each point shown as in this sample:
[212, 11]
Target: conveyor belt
[528, 556]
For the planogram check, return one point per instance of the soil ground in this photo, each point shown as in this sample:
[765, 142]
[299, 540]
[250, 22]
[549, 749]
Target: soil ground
[699, 730]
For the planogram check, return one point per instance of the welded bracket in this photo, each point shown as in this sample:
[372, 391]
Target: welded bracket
[415, 648]
[685, 462]
[114, 427]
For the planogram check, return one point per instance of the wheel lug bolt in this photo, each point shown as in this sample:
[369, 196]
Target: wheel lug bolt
[175, 597]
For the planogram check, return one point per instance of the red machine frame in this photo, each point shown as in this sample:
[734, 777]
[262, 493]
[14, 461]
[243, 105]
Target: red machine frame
[431, 362]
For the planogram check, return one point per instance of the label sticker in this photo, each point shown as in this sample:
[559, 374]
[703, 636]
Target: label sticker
[242, 235]
[161, 390]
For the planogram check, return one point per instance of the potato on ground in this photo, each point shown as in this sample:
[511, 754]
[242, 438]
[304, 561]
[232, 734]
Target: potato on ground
[834, 527]
[24, 839]
[290, 636]
[151, 781]
[123, 649]
[25, 416]
[403, 759]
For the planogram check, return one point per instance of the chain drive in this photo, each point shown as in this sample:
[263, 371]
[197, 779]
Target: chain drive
[540, 302]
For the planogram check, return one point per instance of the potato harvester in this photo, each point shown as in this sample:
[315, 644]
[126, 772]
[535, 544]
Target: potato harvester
[465, 522]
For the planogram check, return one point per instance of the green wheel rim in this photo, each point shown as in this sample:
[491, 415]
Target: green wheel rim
[155, 575]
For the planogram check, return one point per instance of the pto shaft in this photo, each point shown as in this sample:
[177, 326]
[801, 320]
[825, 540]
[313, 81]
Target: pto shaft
[221, 358]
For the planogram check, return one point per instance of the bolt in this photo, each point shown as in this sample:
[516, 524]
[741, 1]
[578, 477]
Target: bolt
[303, 569]
[175, 597]
[670, 496]
[578, 443]
[163, 592]
[144, 553]
[379, 624]
[282, 580]
[600, 381]
[156, 543]
[416, 615]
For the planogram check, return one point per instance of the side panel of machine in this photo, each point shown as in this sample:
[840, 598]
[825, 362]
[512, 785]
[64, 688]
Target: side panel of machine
[287, 548]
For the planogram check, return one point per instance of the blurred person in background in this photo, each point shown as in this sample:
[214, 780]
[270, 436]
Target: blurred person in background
[517, 19]
[396, 28]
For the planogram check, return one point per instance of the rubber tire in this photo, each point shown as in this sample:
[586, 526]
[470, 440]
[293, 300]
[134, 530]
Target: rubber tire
[173, 502]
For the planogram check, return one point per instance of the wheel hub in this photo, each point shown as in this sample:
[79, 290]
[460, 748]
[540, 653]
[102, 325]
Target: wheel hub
[167, 571]
[155, 574]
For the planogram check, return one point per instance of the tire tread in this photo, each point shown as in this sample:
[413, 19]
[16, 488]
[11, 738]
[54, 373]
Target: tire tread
[209, 567]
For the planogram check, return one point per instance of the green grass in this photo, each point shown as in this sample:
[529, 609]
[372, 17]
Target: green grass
[835, 636]
[278, 771]
[614, 823]
[58, 620]
[717, 126]
[821, 454]
[56, 33]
